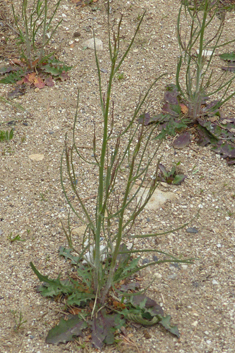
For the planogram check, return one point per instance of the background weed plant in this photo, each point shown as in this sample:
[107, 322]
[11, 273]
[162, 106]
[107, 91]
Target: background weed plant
[38, 64]
[197, 52]
[102, 293]
[191, 101]
[35, 28]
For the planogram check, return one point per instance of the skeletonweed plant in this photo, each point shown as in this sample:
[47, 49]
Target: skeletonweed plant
[197, 52]
[102, 293]
[38, 67]
[199, 92]
[35, 29]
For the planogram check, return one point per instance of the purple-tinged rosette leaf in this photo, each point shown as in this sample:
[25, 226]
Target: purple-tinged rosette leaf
[183, 140]
[66, 330]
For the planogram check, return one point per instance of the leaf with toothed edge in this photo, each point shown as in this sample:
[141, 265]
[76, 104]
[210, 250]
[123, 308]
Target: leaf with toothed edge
[66, 330]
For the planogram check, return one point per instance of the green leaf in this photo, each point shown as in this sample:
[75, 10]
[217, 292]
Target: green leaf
[7, 69]
[149, 305]
[66, 253]
[13, 77]
[172, 127]
[56, 70]
[11, 134]
[143, 310]
[86, 274]
[228, 56]
[5, 135]
[103, 328]
[52, 287]
[173, 171]
[210, 136]
[163, 171]
[218, 130]
[16, 238]
[165, 322]
[176, 108]
[178, 179]
[125, 269]
[66, 330]
[140, 320]
[79, 298]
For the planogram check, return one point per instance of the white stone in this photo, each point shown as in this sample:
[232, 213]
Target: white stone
[90, 44]
[205, 52]
[129, 245]
[36, 157]
[184, 266]
[158, 275]
[79, 230]
[157, 200]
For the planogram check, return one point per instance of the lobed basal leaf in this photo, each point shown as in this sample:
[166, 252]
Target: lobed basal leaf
[66, 330]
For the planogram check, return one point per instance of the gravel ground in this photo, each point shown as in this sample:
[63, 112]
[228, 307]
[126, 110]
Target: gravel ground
[199, 297]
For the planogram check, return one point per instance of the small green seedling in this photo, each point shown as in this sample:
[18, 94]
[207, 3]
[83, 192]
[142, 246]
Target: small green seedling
[18, 317]
[170, 177]
[6, 135]
[120, 76]
[16, 238]
[195, 170]
[43, 197]
[23, 139]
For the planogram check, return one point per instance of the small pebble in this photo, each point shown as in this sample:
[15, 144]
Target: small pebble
[195, 284]
[76, 34]
[192, 230]
[172, 276]
[158, 275]
[184, 266]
